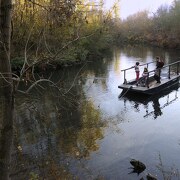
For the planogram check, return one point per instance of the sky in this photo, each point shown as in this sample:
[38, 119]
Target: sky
[129, 7]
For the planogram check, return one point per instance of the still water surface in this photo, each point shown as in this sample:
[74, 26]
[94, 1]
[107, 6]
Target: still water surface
[86, 131]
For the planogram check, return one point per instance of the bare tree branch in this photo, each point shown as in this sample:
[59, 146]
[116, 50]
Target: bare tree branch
[41, 80]
[42, 6]
[74, 79]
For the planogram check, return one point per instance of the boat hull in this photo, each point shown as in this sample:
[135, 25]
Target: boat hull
[154, 89]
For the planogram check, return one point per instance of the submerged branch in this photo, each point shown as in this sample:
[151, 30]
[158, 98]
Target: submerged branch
[38, 81]
[74, 79]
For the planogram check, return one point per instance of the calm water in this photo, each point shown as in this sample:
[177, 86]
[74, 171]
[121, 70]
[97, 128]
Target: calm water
[83, 130]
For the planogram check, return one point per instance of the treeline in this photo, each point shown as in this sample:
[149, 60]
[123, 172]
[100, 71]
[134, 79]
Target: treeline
[66, 32]
[59, 31]
[160, 29]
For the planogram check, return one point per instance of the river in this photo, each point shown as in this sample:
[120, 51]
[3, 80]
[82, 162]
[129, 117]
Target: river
[83, 129]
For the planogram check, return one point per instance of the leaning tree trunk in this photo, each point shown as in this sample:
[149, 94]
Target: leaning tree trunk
[6, 89]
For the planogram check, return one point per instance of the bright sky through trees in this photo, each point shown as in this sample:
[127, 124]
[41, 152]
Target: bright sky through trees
[129, 7]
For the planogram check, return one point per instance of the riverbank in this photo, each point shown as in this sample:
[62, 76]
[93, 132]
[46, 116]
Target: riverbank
[51, 65]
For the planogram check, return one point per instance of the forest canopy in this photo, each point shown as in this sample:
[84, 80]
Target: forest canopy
[71, 31]
[161, 28]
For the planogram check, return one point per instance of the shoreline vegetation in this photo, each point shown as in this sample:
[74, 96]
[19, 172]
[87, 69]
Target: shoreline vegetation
[73, 32]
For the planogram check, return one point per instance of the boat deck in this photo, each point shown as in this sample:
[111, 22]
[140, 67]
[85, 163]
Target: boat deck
[169, 76]
[153, 85]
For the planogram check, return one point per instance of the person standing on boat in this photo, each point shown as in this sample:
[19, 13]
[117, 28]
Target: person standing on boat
[159, 65]
[145, 75]
[136, 67]
[144, 78]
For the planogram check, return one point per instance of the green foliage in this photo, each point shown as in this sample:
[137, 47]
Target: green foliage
[97, 44]
[161, 29]
[33, 176]
[134, 28]
[69, 31]
[74, 54]
[17, 62]
[48, 27]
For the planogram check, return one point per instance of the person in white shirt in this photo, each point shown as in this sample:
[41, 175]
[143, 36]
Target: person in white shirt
[136, 67]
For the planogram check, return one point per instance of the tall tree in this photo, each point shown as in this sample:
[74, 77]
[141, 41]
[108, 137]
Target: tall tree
[5, 34]
[6, 88]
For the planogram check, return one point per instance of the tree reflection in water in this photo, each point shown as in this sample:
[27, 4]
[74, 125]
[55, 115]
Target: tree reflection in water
[54, 135]
[6, 135]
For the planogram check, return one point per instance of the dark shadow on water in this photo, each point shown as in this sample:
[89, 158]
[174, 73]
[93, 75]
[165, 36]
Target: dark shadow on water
[136, 171]
[6, 135]
[138, 99]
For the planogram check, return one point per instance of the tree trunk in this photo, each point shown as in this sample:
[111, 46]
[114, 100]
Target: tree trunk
[5, 31]
[6, 89]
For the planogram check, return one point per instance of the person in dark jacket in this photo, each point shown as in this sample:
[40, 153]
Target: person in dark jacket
[159, 65]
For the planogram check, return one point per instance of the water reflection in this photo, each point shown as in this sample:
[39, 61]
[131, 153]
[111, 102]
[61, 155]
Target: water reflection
[54, 133]
[6, 135]
[154, 101]
[84, 131]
